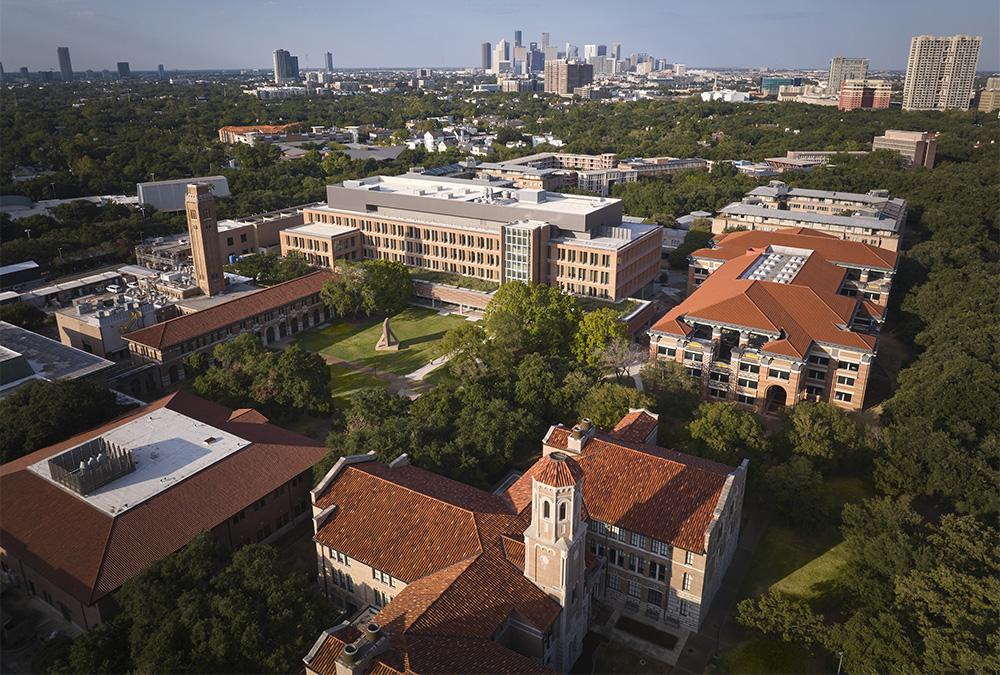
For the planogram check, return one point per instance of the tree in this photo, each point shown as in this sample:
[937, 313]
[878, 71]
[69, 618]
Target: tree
[198, 610]
[536, 385]
[606, 403]
[824, 432]
[24, 315]
[621, 354]
[466, 348]
[675, 393]
[776, 613]
[532, 318]
[344, 294]
[795, 491]
[387, 287]
[300, 379]
[41, 412]
[725, 431]
[597, 330]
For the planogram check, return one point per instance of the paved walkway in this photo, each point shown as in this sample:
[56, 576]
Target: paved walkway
[719, 629]
[402, 385]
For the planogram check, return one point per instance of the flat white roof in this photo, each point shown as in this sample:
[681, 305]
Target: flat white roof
[320, 229]
[18, 267]
[471, 191]
[167, 446]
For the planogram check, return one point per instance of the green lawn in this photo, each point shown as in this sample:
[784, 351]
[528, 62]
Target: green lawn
[614, 658]
[765, 655]
[344, 381]
[418, 330]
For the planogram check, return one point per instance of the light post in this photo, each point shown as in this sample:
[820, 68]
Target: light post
[27, 231]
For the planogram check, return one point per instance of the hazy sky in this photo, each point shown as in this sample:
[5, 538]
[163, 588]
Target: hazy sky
[194, 34]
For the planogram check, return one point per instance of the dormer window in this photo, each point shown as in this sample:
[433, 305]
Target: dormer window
[546, 510]
[562, 511]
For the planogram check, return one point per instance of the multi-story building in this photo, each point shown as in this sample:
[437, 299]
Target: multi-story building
[775, 318]
[271, 314]
[26, 356]
[255, 133]
[844, 68]
[940, 71]
[769, 86]
[328, 60]
[124, 71]
[486, 55]
[865, 94]
[153, 480]
[65, 65]
[96, 324]
[286, 67]
[322, 244]
[562, 77]
[472, 581]
[169, 195]
[872, 218]
[918, 148]
[601, 181]
[989, 97]
[488, 230]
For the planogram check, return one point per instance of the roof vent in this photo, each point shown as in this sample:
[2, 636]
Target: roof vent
[349, 654]
[373, 630]
[91, 465]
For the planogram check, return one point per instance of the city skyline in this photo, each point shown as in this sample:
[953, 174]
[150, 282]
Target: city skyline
[227, 36]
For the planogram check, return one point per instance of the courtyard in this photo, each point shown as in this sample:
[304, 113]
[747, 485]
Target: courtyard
[348, 347]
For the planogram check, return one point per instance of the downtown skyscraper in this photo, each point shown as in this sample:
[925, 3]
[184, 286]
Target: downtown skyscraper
[65, 65]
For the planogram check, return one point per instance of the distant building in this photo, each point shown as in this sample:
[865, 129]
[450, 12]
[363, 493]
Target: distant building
[679, 70]
[486, 56]
[26, 356]
[776, 318]
[865, 95]
[255, 133]
[65, 65]
[286, 67]
[321, 244]
[96, 324]
[152, 481]
[123, 70]
[168, 195]
[872, 218]
[160, 73]
[562, 77]
[989, 98]
[940, 72]
[328, 57]
[769, 86]
[517, 39]
[918, 148]
[844, 68]
[726, 95]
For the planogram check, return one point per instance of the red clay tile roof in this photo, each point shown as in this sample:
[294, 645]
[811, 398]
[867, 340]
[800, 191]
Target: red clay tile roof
[189, 326]
[851, 253]
[796, 314]
[557, 471]
[636, 426]
[90, 553]
[660, 493]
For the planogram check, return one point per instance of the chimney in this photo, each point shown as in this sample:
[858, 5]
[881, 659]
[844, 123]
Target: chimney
[580, 434]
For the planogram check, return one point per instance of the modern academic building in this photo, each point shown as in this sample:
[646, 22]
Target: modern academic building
[483, 229]
[774, 318]
[441, 577]
[872, 218]
[84, 516]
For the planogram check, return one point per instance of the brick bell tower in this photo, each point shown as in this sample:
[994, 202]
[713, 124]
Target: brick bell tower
[555, 546]
[203, 229]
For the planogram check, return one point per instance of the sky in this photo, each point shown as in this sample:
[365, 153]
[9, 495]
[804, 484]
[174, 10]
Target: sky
[215, 34]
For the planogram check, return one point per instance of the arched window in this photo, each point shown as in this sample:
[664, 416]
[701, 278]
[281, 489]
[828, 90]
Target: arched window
[546, 510]
[562, 511]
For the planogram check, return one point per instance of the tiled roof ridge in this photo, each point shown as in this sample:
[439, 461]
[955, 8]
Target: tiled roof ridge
[466, 563]
[424, 494]
[699, 463]
[94, 595]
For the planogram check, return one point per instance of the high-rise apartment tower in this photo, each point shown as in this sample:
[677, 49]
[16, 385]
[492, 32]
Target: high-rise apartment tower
[65, 65]
[940, 72]
[845, 68]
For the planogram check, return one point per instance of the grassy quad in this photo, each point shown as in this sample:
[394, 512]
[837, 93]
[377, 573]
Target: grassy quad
[419, 330]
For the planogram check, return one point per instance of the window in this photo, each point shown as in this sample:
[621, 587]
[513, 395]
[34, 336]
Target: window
[843, 379]
[562, 511]
[341, 558]
[682, 609]
[817, 374]
[843, 396]
[847, 365]
[660, 548]
[716, 393]
[546, 510]
[616, 557]
[657, 571]
[636, 564]
[814, 391]
[719, 377]
[633, 588]
[384, 577]
[818, 360]
[686, 581]
[666, 351]
[743, 382]
[688, 558]
[749, 368]
[874, 297]
[747, 400]
[638, 540]
[229, 241]
[654, 597]
[693, 356]
[381, 599]
[779, 374]
[694, 372]
[243, 239]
